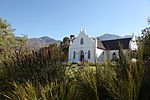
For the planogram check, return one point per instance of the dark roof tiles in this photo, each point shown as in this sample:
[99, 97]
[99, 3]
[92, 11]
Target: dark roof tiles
[114, 44]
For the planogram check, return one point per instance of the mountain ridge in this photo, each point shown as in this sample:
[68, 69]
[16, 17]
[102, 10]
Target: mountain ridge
[109, 36]
[36, 43]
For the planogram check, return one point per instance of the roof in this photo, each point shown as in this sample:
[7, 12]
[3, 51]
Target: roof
[114, 44]
[100, 44]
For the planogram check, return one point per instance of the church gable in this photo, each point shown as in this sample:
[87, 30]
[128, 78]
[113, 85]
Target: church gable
[82, 48]
[83, 40]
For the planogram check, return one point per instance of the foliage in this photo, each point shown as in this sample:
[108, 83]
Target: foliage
[55, 90]
[145, 50]
[39, 67]
[64, 47]
[42, 75]
[8, 41]
[104, 83]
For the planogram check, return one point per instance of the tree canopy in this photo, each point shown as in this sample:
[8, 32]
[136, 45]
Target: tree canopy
[8, 41]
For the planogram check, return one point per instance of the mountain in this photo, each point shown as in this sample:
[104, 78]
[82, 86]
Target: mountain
[112, 36]
[36, 43]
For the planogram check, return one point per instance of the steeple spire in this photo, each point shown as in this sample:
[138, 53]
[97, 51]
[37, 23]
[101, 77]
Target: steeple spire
[83, 30]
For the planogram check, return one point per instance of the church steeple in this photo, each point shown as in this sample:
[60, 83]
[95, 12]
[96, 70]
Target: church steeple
[83, 31]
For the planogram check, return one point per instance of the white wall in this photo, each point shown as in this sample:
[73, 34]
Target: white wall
[89, 44]
[108, 54]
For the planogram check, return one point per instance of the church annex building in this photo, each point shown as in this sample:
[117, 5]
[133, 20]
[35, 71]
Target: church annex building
[84, 47]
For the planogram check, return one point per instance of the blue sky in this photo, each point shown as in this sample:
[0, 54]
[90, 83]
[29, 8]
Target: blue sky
[60, 18]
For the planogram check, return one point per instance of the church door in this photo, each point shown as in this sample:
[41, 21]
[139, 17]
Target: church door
[81, 55]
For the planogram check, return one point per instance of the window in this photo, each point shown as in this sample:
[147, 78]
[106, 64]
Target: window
[89, 54]
[81, 42]
[81, 55]
[74, 55]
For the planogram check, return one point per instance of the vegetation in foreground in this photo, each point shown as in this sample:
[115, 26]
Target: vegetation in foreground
[42, 75]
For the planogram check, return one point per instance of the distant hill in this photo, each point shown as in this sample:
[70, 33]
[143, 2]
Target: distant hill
[112, 36]
[36, 43]
[108, 36]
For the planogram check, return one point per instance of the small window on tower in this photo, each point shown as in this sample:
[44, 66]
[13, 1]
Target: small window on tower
[81, 42]
[74, 55]
[89, 54]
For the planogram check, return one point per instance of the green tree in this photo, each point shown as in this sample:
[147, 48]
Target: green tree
[146, 42]
[8, 41]
[64, 47]
[65, 44]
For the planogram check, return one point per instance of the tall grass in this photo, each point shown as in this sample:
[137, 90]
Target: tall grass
[56, 90]
[42, 76]
[36, 67]
[33, 66]
[109, 83]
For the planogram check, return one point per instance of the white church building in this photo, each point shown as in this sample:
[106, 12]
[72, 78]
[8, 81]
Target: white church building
[86, 48]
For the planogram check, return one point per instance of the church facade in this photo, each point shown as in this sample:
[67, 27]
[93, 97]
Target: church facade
[86, 48]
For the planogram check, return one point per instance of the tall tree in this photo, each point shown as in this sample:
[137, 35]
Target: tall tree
[8, 41]
[64, 46]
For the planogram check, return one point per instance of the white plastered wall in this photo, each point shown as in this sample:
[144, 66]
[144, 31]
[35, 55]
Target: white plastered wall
[89, 44]
[108, 54]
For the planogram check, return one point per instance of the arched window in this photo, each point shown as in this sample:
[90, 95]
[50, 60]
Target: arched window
[89, 54]
[114, 56]
[81, 41]
[74, 55]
